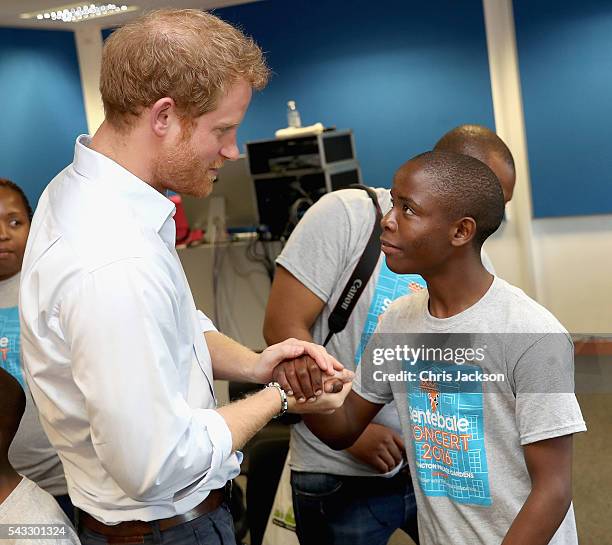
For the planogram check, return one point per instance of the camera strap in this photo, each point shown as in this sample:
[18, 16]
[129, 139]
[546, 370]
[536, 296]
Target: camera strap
[361, 273]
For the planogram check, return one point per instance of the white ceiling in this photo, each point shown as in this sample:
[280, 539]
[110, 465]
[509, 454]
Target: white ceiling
[11, 9]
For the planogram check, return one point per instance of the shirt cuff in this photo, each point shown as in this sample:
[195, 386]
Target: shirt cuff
[205, 322]
[219, 436]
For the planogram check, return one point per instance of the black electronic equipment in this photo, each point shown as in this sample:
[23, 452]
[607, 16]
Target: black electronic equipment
[290, 174]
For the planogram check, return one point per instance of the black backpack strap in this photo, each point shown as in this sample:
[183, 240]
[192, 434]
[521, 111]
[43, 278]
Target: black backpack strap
[361, 274]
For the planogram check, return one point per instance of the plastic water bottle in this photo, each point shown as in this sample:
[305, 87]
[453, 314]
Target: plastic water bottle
[293, 116]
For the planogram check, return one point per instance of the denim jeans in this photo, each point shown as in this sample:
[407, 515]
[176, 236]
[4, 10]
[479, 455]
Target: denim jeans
[66, 506]
[338, 510]
[214, 528]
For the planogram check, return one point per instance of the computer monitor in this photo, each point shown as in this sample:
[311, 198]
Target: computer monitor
[235, 185]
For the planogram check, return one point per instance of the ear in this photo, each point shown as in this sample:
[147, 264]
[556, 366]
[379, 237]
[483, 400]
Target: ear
[163, 116]
[463, 231]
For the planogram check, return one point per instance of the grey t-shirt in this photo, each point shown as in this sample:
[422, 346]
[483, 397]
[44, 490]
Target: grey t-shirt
[341, 223]
[30, 454]
[30, 504]
[464, 439]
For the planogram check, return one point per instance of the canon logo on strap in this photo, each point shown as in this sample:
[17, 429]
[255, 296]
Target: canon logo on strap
[351, 293]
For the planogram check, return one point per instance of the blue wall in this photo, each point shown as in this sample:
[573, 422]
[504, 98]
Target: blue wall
[42, 106]
[399, 73]
[565, 59]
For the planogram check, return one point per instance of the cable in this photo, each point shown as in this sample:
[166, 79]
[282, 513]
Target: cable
[264, 259]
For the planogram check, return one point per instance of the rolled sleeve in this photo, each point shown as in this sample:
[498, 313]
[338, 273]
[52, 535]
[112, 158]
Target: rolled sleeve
[219, 435]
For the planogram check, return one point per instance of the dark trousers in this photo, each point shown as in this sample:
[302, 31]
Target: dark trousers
[66, 506]
[337, 510]
[214, 528]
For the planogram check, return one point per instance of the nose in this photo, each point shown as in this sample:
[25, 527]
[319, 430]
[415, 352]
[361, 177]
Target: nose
[4, 232]
[388, 222]
[231, 151]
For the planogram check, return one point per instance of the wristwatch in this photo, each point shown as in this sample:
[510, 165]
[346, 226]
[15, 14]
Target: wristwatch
[283, 395]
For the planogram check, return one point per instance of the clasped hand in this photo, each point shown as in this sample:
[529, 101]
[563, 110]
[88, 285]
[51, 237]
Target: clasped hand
[307, 373]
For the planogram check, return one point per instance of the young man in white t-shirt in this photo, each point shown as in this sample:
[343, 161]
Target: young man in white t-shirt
[491, 460]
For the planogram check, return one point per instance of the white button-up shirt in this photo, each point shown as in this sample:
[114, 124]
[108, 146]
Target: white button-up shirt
[114, 349]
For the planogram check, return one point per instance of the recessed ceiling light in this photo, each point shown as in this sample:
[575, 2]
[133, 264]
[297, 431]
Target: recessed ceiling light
[78, 12]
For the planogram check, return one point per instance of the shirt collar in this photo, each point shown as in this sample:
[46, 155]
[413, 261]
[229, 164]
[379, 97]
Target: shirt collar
[149, 205]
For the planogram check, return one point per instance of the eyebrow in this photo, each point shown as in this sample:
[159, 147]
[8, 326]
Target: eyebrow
[225, 126]
[406, 200]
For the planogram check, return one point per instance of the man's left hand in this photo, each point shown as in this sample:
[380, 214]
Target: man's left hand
[291, 349]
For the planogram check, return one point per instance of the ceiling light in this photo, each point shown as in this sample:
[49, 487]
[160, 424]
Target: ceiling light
[78, 12]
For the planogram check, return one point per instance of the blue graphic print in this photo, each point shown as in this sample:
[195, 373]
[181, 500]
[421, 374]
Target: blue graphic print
[447, 423]
[10, 343]
[389, 286]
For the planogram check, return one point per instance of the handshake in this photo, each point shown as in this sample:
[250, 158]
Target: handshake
[314, 381]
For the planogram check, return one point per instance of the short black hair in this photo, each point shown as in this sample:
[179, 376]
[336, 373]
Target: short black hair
[12, 407]
[12, 185]
[477, 141]
[466, 187]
